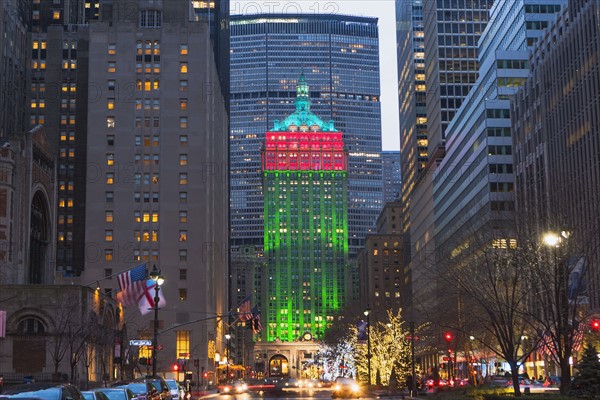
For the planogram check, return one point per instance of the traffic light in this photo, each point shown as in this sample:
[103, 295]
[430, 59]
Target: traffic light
[175, 367]
[595, 325]
[448, 336]
[206, 374]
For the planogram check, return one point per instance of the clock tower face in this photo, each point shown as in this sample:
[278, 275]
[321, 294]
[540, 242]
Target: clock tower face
[307, 336]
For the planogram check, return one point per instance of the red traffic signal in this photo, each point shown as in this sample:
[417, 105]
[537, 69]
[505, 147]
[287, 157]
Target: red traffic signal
[595, 325]
[206, 374]
[175, 367]
[448, 336]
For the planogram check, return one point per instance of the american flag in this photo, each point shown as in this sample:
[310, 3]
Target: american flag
[244, 312]
[132, 285]
[256, 323]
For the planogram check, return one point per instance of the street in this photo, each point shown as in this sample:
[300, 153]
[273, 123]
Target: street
[296, 394]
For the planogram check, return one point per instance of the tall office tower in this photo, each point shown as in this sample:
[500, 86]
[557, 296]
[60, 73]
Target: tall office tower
[59, 90]
[340, 57]
[216, 15]
[305, 171]
[555, 134]
[157, 181]
[390, 170]
[437, 64]
[473, 186]
[14, 57]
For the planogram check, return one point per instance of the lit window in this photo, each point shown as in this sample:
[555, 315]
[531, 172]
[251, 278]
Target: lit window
[137, 216]
[108, 255]
[183, 179]
[112, 67]
[183, 217]
[110, 122]
[183, 344]
[155, 236]
[183, 104]
[147, 85]
[183, 159]
[112, 49]
[183, 236]
[183, 49]
[110, 104]
[183, 122]
[108, 235]
[154, 217]
[182, 294]
[156, 84]
[110, 159]
[56, 15]
[183, 140]
[110, 178]
[183, 68]
[108, 216]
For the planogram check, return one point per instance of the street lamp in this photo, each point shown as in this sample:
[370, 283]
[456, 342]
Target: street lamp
[157, 277]
[228, 336]
[367, 312]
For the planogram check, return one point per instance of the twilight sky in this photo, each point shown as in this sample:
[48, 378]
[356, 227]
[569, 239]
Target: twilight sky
[382, 9]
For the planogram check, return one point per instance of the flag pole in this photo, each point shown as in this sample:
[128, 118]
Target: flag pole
[115, 274]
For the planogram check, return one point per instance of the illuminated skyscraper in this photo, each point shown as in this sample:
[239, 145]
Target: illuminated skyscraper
[340, 57]
[304, 168]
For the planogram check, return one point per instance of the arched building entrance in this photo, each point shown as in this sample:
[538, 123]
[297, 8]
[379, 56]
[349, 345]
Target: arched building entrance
[279, 366]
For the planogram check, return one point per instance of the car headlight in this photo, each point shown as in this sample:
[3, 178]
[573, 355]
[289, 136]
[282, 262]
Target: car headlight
[336, 387]
[355, 387]
[226, 389]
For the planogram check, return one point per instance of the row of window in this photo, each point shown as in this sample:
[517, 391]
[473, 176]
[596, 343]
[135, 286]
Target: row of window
[109, 197]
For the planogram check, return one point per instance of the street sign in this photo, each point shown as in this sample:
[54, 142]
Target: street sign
[184, 354]
[140, 342]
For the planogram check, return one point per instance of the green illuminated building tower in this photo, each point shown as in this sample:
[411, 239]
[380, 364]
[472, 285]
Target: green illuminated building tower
[304, 166]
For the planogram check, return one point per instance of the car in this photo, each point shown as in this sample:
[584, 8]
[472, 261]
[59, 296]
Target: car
[118, 393]
[94, 395]
[43, 392]
[176, 390]
[345, 388]
[234, 387]
[142, 390]
[160, 385]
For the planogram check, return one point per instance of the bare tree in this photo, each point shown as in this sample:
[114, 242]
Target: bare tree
[67, 317]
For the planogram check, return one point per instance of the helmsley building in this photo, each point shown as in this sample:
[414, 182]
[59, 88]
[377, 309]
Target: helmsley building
[304, 167]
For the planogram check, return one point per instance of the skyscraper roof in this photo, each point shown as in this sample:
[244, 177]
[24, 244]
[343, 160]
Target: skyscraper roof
[303, 119]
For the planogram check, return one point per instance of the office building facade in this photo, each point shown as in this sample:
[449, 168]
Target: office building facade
[391, 174]
[555, 136]
[340, 57]
[474, 184]
[437, 64]
[158, 189]
[305, 172]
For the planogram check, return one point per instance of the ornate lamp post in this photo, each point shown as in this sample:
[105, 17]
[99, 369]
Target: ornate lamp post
[367, 312]
[228, 336]
[157, 277]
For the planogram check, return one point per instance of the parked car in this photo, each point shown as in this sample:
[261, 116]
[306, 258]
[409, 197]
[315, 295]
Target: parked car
[177, 391]
[94, 395]
[160, 385]
[345, 388]
[118, 393]
[142, 390]
[43, 392]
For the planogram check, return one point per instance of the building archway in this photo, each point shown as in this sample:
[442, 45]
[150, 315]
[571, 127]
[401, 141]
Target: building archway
[39, 238]
[279, 366]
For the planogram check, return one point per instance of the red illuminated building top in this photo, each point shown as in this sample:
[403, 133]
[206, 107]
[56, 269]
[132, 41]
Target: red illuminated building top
[304, 142]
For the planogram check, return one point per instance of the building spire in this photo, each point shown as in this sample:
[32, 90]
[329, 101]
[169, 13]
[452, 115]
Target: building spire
[302, 96]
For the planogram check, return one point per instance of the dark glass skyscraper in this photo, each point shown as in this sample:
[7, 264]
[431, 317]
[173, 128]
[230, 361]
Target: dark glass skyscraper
[340, 57]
